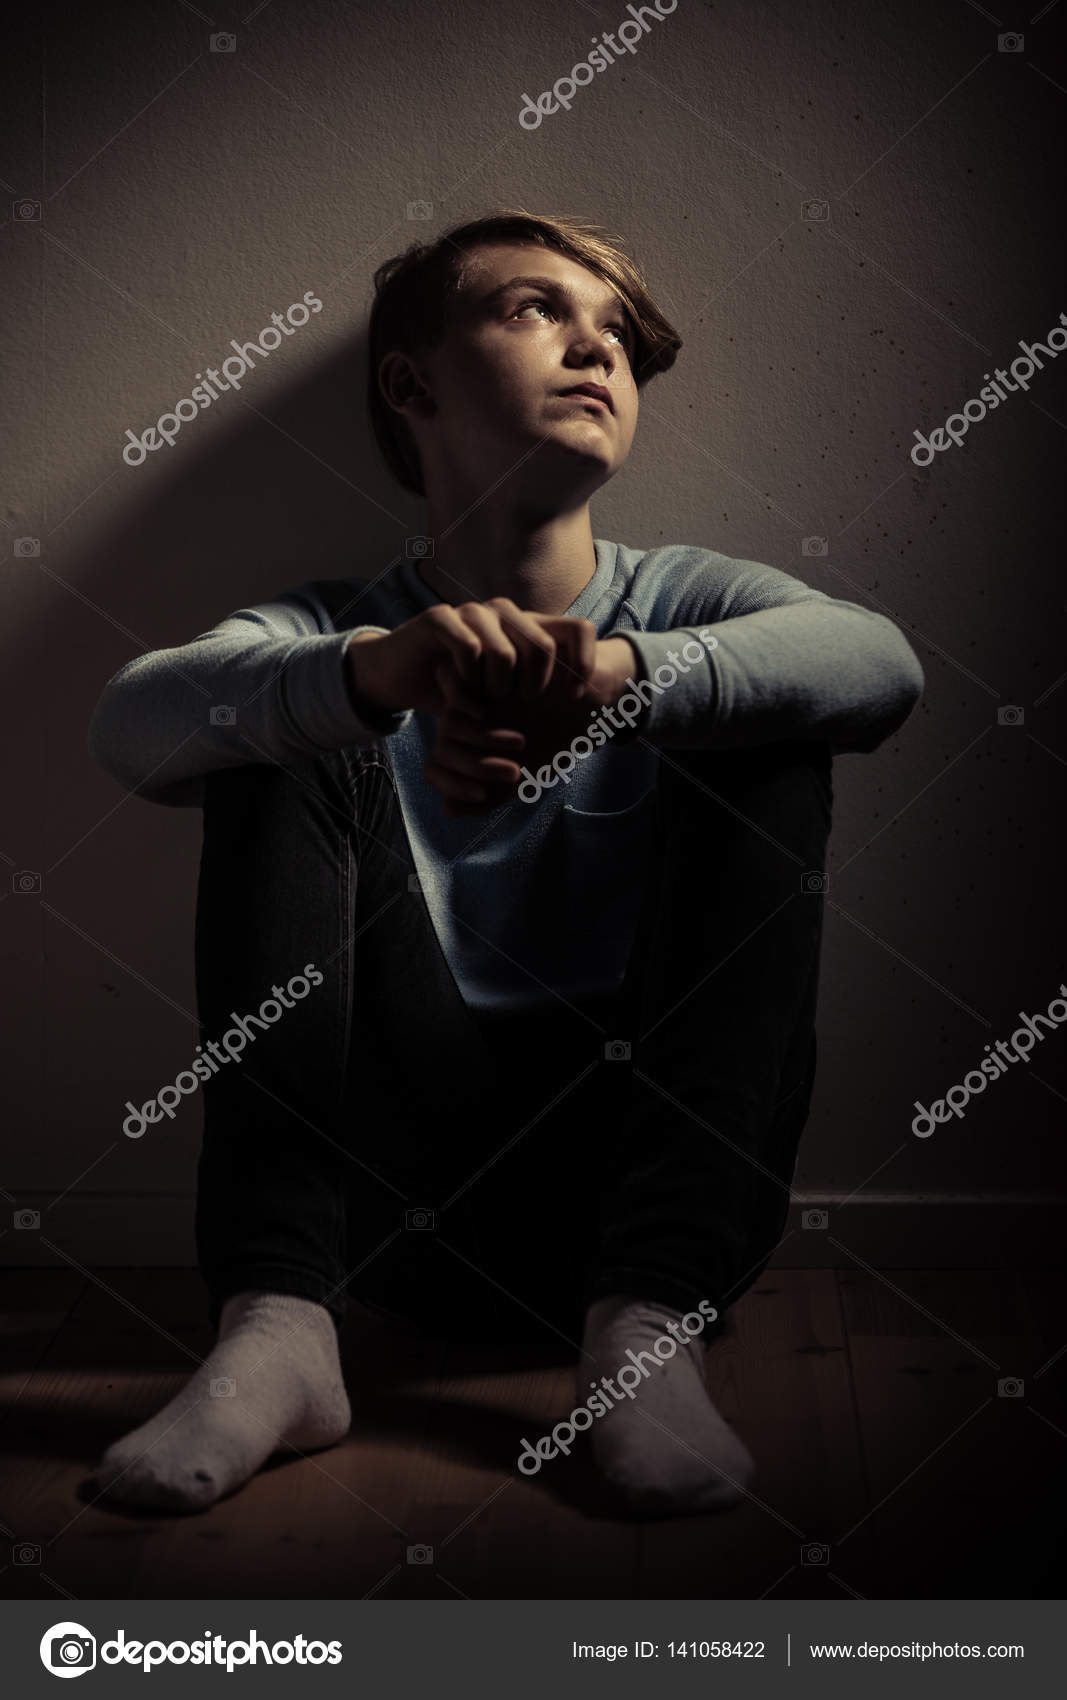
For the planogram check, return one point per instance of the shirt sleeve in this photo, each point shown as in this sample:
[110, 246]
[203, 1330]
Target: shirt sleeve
[264, 685]
[770, 658]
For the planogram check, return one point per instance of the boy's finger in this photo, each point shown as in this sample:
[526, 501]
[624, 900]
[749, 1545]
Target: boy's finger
[464, 729]
[499, 656]
[451, 784]
[536, 649]
[576, 642]
[465, 759]
[457, 693]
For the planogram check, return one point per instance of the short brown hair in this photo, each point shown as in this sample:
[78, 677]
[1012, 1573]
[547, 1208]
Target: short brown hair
[413, 290]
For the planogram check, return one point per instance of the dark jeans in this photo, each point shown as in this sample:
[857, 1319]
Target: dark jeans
[379, 1140]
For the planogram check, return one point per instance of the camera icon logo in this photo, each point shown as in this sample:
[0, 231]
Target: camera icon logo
[1010, 43]
[419, 1221]
[815, 1219]
[68, 1649]
[222, 1387]
[224, 42]
[418, 548]
[26, 212]
[1010, 715]
[1010, 1387]
[814, 881]
[25, 1552]
[223, 714]
[816, 212]
[815, 1553]
[27, 547]
[420, 1554]
[814, 546]
[27, 1218]
[26, 882]
[420, 209]
[617, 1050]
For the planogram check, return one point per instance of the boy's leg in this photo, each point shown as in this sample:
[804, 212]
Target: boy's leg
[320, 967]
[702, 1122]
[685, 1212]
[528, 1183]
[719, 1002]
[314, 1139]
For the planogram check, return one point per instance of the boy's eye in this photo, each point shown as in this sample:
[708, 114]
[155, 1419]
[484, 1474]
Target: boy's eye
[620, 330]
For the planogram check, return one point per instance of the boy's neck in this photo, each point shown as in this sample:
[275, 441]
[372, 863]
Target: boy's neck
[542, 566]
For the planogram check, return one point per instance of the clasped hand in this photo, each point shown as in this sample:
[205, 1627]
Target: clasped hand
[531, 688]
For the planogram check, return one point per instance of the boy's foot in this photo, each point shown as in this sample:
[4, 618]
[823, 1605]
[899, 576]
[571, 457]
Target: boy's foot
[272, 1380]
[666, 1451]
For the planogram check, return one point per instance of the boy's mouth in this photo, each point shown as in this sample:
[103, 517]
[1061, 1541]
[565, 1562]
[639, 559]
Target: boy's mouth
[596, 392]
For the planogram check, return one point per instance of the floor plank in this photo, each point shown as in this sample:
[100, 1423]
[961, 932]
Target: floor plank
[958, 1491]
[508, 1536]
[331, 1524]
[107, 1368]
[780, 1375]
[870, 1403]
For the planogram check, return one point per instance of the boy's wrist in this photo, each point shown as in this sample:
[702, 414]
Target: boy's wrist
[619, 667]
[366, 688]
[618, 663]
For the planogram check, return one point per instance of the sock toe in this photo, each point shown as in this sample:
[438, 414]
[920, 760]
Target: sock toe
[668, 1452]
[273, 1383]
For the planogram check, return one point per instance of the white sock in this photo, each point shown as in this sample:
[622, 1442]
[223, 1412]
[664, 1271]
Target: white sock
[273, 1380]
[698, 1464]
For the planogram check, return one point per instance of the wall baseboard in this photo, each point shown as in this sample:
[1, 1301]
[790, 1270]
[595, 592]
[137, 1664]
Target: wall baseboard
[886, 1230]
[923, 1231]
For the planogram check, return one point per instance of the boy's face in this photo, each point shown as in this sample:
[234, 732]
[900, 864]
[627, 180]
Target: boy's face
[511, 349]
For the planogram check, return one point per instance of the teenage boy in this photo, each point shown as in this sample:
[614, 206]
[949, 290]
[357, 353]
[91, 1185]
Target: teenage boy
[563, 1045]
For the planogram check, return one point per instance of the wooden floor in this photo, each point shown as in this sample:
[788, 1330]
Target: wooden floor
[870, 1403]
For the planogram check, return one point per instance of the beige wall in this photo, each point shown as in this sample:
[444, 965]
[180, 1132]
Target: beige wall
[187, 194]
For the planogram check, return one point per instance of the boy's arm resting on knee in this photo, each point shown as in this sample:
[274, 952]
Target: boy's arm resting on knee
[266, 684]
[773, 660]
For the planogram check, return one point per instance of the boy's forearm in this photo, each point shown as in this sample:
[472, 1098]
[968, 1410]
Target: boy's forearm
[247, 691]
[800, 670]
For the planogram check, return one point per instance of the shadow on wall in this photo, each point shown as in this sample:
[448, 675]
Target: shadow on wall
[270, 486]
[267, 488]
[293, 488]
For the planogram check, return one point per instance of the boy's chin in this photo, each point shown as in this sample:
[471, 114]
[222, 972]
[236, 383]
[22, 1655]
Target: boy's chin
[579, 454]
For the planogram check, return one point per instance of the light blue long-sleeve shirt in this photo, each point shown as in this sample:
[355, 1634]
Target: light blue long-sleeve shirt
[537, 900]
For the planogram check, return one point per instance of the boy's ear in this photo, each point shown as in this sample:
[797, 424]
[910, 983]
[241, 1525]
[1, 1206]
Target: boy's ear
[402, 386]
